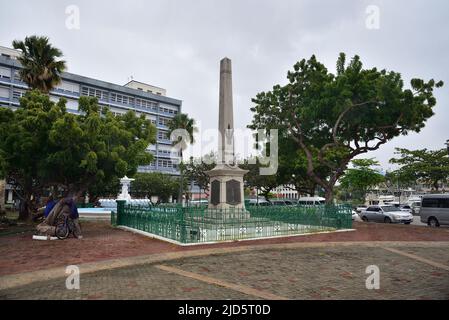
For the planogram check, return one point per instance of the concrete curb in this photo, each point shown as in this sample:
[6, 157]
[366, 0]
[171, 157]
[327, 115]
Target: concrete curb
[154, 236]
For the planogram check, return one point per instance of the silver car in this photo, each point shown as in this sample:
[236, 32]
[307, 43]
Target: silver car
[435, 210]
[386, 214]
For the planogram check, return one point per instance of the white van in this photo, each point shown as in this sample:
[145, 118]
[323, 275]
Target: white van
[311, 201]
[258, 202]
[435, 210]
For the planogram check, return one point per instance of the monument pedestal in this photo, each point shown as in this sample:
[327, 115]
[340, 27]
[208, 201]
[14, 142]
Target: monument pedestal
[226, 187]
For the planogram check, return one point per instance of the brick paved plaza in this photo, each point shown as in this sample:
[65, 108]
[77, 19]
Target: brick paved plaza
[308, 268]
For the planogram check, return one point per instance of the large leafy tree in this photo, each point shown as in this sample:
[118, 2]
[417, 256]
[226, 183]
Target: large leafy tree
[154, 184]
[359, 179]
[182, 122]
[24, 144]
[41, 68]
[44, 146]
[429, 166]
[335, 117]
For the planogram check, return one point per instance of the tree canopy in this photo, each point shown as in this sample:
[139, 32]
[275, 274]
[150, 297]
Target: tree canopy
[335, 117]
[429, 166]
[154, 184]
[44, 146]
[359, 179]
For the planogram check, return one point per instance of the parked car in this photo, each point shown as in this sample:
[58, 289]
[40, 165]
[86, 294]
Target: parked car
[359, 209]
[355, 215]
[435, 210]
[416, 207]
[386, 214]
[406, 208]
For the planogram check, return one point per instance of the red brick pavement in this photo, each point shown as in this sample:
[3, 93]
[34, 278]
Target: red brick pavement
[20, 253]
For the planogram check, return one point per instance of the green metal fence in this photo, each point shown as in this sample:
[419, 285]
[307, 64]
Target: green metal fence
[198, 225]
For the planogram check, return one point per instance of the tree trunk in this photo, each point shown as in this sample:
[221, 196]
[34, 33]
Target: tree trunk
[329, 195]
[25, 209]
[265, 194]
[312, 191]
[181, 180]
[2, 195]
[436, 186]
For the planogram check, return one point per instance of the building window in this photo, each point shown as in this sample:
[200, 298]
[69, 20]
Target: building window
[146, 104]
[168, 110]
[119, 98]
[17, 94]
[4, 92]
[92, 92]
[165, 163]
[69, 87]
[163, 121]
[161, 135]
[17, 75]
[5, 73]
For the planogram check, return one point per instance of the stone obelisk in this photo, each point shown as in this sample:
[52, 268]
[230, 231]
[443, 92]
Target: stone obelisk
[226, 115]
[226, 179]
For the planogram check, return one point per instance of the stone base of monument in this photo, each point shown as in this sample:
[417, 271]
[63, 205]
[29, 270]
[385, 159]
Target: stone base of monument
[226, 188]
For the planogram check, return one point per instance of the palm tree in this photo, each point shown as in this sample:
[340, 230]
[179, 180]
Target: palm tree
[40, 68]
[182, 121]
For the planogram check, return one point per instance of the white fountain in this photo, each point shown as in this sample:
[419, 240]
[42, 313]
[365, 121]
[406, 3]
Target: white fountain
[124, 195]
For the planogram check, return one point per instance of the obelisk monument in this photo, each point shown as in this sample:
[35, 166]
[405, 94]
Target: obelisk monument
[226, 179]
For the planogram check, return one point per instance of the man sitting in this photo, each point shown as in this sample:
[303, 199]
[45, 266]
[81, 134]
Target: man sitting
[64, 209]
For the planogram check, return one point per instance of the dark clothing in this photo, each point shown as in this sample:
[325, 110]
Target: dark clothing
[50, 205]
[73, 209]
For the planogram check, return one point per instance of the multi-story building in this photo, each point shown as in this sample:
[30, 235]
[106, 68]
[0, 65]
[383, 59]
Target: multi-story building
[139, 97]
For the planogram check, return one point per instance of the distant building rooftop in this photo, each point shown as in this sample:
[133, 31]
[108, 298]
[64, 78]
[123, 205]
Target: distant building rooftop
[146, 87]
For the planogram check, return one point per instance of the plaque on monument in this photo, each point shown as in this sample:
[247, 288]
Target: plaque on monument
[215, 190]
[233, 192]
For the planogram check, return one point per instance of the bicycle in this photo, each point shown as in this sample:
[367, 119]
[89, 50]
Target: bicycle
[64, 228]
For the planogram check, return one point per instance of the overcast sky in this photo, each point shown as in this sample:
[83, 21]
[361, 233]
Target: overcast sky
[177, 45]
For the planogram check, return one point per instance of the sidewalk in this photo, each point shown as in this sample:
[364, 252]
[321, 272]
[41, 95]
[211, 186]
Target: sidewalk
[101, 242]
[308, 270]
